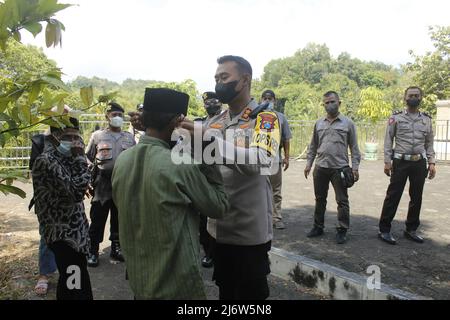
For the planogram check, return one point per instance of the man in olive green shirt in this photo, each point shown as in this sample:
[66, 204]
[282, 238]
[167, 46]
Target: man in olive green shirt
[159, 204]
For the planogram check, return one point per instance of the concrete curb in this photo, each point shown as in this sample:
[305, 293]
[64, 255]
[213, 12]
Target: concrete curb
[330, 281]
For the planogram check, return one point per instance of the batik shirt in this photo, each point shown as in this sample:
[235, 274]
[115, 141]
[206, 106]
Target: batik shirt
[59, 186]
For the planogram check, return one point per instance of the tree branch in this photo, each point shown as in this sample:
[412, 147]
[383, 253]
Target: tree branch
[44, 120]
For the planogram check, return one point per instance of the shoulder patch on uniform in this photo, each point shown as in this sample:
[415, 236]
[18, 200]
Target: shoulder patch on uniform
[267, 121]
[246, 115]
[427, 115]
[216, 126]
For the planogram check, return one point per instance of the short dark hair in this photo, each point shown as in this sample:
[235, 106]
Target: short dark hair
[414, 87]
[331, 93]
[242, 64]
[157, 120]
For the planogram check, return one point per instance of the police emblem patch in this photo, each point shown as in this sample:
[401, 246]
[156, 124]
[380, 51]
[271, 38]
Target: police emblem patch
[267, 122]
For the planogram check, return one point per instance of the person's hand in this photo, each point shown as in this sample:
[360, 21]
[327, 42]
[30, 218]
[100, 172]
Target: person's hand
[388, 169]
[286, 163]
[307, 171]
[78, 148]
[135, 119]
[432, 171]
[356, 175]
[190, 125]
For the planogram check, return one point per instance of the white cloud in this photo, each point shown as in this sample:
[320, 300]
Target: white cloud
[173, 40]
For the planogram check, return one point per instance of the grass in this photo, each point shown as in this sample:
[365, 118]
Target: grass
[18, 266]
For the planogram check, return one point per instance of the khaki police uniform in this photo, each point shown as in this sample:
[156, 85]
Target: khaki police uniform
[102, 151]
[244, 235]
[409, 146]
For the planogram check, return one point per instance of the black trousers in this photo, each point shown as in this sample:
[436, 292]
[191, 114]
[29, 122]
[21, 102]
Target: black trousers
[74, 282]
[206, 240]
[403, 170]
[241, 272]
[322, 179]
[99, 215]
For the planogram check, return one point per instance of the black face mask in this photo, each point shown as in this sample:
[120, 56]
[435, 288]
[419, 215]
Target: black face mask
[226, 92]
[213, 109]
[413, 103]
[332, 109]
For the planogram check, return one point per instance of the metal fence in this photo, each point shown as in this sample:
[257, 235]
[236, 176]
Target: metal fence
[17, 155]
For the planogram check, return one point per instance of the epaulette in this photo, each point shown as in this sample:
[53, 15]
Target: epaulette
[426, 115]
[396, 112]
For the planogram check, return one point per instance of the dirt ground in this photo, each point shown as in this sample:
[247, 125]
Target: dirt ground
[418, 268]
[19, 242]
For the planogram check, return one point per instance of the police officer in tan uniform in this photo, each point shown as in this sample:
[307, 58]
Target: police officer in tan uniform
[411, 157]
[276, 180]
[102, 151]
[244, 236]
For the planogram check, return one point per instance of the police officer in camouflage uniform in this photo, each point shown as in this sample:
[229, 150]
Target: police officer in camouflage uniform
[411, 157]
[102, 151]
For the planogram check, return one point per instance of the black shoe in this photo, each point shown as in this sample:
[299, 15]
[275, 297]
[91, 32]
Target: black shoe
[315, 232]
[93, 260]
[116, 252]
[411, 235]
[387, 237]
[341, 237]
[279, 225]
[207, 262]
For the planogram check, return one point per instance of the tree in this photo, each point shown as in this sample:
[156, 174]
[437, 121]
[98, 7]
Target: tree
[432, 71]
[131, 92]
[28, 92]
[373, 106]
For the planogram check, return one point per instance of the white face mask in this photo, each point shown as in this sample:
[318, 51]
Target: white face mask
[65, 148]
[117, 122]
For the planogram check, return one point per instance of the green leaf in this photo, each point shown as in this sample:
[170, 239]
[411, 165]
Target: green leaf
[55, 82]
[25, 113]
[34, 28]
[34, 93]
[50, 7]
[13, 190]
[107, 97]
[87, 96]
[50, 34]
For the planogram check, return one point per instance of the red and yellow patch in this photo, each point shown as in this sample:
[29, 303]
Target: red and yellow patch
[268, 121]
[246, 114]
[391, 121]
[267, 134]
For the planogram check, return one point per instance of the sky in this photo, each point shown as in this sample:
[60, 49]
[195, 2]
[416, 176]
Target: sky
[175, 40]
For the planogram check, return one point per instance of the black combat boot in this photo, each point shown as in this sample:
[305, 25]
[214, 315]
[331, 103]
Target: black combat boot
[116, 252]
[315, 232]
[93, 256]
